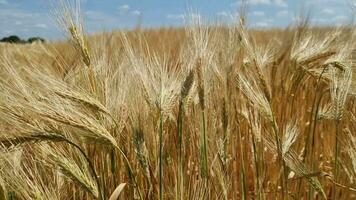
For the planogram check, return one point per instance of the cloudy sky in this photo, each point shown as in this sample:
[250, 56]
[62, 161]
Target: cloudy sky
[32, 17]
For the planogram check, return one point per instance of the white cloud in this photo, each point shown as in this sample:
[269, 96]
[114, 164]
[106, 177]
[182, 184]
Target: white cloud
[327, 11]
[262, 24]
[18, 14]
[252, 2]
[280, 3]
[320, 21]
[124, 8]
[297, 19]
[259, 2]
[44, 26]
[282, 13]
[323, 2]
[36, 23]
[99, 19]
[8, 31]
[135, 13]
[92, 14]
[270, 21]
[258, 13]
[177, 17]
[222, 14]
[340, 18]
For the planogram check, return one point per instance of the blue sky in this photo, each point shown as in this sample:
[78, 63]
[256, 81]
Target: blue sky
[32, 17]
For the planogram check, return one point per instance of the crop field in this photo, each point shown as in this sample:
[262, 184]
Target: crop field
[205, 111]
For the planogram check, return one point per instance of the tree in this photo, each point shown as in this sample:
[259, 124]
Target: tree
[12, 39]
[35, 39]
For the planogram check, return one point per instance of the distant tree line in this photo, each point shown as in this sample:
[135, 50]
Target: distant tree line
[17, 40]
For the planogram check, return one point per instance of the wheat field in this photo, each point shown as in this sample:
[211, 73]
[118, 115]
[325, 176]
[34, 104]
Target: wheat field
[206, 111]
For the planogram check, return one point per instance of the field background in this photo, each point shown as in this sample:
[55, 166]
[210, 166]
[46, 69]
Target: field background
[270, 102]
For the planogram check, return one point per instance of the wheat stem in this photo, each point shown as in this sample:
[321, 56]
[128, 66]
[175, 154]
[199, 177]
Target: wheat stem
[205, 173]
[242, 169]
[336, 157]
[161, 156]
[280, 160]
[180, 152]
